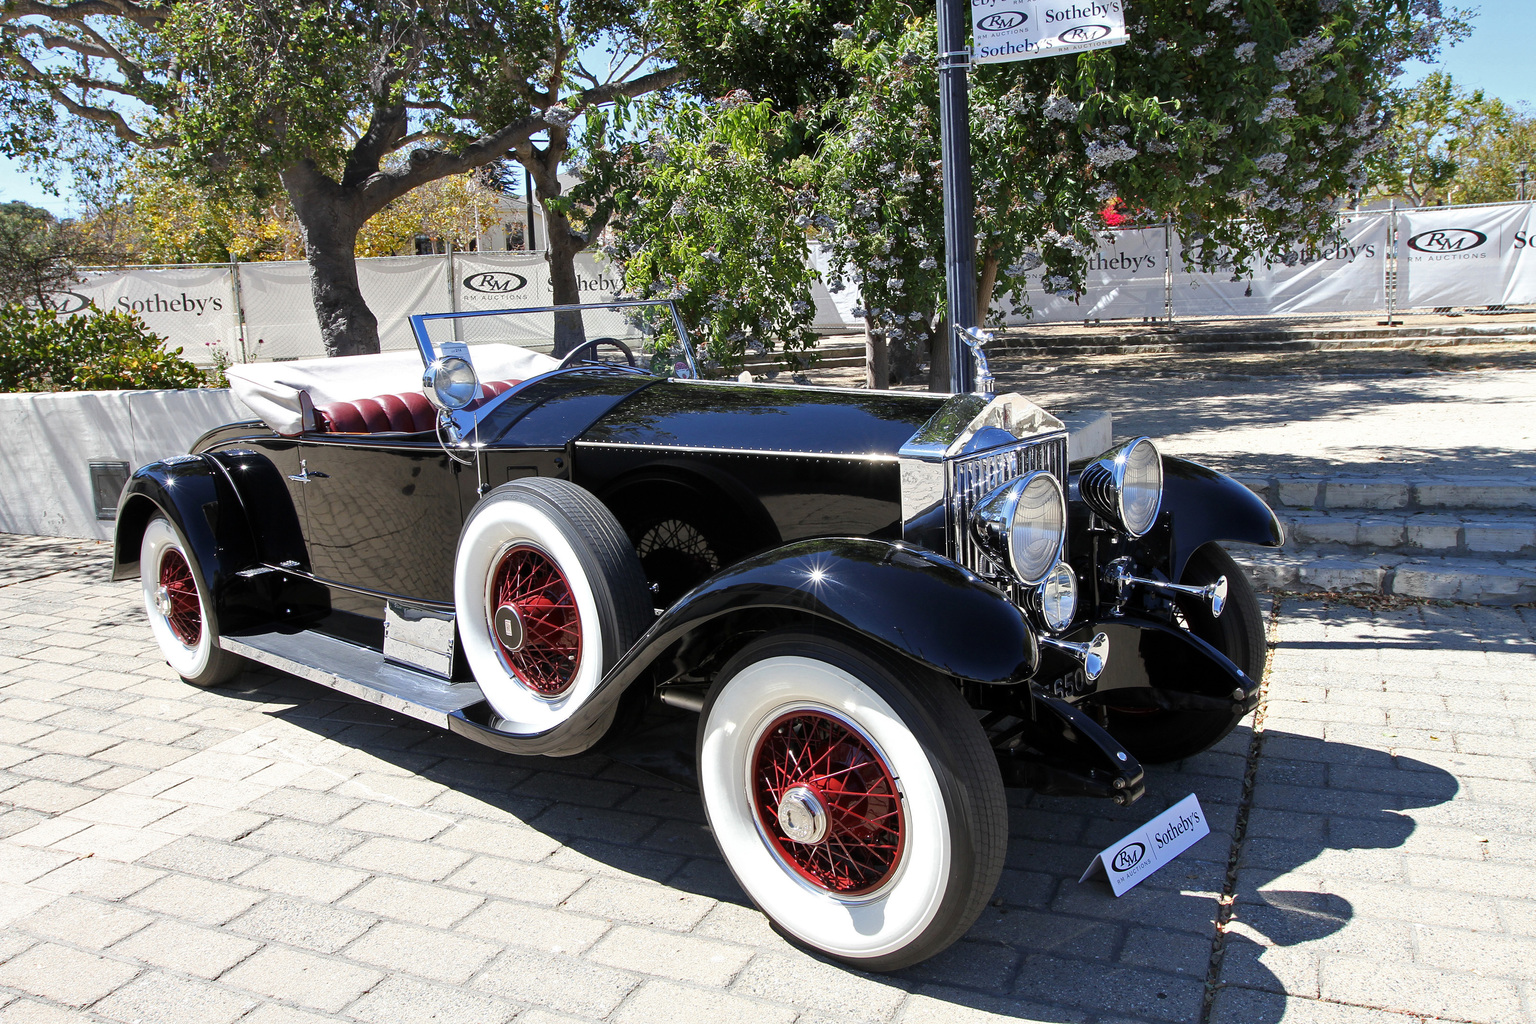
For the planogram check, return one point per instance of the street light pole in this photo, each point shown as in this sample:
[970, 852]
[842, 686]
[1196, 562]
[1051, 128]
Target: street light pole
[1524, 168]
[959, 198]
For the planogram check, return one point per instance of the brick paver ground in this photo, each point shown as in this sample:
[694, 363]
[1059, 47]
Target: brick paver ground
[272, 853]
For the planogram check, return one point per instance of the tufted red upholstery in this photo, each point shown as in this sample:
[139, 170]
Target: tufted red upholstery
[409, 413]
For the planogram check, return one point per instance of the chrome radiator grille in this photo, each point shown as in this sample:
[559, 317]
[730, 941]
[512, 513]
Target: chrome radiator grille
[971, 478]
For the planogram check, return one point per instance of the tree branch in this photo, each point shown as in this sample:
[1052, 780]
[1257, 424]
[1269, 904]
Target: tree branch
[76, 13]
[426, 165]
[639, 87]
[101, 115]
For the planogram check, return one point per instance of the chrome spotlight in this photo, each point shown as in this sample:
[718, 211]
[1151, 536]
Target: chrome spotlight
[450, 384]
[1022, 525]
[1125, 485]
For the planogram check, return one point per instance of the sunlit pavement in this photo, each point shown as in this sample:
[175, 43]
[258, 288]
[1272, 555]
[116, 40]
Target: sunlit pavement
[270, 852]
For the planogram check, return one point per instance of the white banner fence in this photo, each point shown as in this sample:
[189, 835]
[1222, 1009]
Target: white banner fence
[1388, 260]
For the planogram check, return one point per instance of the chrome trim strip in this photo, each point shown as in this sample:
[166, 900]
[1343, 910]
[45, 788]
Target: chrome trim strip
[915, 395]
[700, 450]
[382, 595]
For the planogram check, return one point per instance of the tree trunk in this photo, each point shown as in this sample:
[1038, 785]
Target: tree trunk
[938, 359]
[987, 281]
[877, 361]
[329, 221]
[564, 244]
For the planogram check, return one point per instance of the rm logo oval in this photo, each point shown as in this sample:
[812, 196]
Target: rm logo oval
[496, 282]
[1083, 34]
[1443, 240]
[1128, 856]
[1002, 21]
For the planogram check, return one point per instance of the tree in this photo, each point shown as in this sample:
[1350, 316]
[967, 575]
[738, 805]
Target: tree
[1240, 124]
[1448, 145]
[39, 255]
[1489, 170]
[344, 106]
[702, 204]
[1437, 131]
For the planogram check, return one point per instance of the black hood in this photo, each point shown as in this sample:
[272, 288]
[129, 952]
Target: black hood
[755, 417]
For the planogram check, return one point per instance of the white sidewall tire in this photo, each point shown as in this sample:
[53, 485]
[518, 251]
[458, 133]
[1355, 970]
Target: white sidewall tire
[853, 929]
[494, 528]
[193, 662]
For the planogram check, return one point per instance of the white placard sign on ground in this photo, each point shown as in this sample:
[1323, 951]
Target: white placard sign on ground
[1150, 847]
[1004, 30]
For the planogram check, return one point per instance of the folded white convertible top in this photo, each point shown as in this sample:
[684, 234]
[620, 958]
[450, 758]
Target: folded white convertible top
[272, 390]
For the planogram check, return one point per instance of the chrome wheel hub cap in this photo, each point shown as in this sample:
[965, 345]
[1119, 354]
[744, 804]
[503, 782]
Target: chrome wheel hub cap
[803, 815]
[508, 622]
[163, 601]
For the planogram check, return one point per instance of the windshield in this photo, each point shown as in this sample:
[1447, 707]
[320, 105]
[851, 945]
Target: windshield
[647, 335]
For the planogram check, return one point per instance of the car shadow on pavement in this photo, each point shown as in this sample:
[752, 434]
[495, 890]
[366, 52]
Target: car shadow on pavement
[1046, 947]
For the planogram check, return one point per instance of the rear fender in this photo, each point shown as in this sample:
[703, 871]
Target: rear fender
[198, 494]
[1209, 506]
[195, 495]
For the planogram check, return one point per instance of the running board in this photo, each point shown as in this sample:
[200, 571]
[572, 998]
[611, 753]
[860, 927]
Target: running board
[359, 672]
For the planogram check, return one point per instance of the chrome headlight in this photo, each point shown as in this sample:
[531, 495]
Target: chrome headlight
[1125, 485]
[451, 383]
[1058, 597]
[1022, 524]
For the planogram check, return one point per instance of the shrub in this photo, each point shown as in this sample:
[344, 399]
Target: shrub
[90, 351]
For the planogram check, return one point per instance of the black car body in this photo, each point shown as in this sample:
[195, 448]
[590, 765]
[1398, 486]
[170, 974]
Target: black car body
[596, 536]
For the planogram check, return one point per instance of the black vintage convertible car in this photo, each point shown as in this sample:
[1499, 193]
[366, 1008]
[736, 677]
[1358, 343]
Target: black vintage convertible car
[884, 607]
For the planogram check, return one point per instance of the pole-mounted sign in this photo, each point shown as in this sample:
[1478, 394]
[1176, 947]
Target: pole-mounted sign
[1004, 30]
[1001, 30]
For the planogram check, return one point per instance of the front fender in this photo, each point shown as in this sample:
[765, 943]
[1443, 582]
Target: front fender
[1209, 506]
[1173, 667]
[910, 600]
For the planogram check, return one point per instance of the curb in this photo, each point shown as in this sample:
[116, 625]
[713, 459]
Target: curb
[1463, 580]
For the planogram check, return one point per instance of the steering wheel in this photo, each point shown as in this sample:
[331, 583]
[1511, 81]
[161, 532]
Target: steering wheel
[575, 355]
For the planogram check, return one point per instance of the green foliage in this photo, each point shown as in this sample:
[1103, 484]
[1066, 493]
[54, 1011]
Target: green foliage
[774, 49]
[1448, 145]
[89, 351]
[704, 205]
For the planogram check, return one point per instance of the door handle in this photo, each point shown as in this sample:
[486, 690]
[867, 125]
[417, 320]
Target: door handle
[304, 476]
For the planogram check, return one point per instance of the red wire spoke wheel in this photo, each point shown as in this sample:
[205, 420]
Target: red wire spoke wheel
[535, 620]
[828, 803]
[179, 602]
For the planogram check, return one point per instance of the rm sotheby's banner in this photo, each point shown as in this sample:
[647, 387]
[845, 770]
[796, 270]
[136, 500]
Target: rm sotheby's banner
[1447, 256]
[193, 306]
[1004, 30]
[1345, 276]
[1466, 256]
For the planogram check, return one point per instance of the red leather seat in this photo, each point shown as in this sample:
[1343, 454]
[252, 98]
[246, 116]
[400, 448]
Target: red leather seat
[409, 413]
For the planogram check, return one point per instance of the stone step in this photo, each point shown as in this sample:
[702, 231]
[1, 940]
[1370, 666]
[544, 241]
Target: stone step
[1236, 338]
[1464, 580]
[1394, 492]
[827, 355]
[1465, 532]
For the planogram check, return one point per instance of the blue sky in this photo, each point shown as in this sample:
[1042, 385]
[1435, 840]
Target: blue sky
[1494, 59]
